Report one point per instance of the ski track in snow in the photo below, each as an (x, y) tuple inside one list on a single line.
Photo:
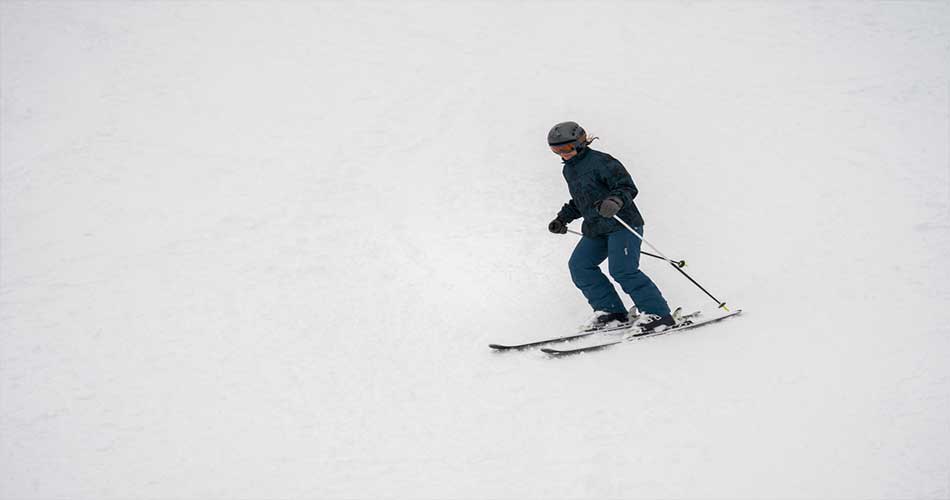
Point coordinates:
[(258, 250)]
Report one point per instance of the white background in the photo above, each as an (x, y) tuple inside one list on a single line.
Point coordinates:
[(257, 250)]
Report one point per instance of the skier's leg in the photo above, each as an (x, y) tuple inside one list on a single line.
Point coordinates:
[(623, 251), (586, 274)]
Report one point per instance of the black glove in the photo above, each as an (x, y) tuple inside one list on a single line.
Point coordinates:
[(557, 226), (609, 206)]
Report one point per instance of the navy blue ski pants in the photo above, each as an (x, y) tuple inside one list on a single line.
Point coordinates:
[(622, 250)]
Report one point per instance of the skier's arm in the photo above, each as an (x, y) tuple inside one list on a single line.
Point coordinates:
[(619, 182), (569, 212)]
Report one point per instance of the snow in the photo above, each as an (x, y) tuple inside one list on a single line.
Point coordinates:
[(258, 250)]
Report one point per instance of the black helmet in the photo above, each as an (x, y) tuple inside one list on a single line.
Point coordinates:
[(567, 133)]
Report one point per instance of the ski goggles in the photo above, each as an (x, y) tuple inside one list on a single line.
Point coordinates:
[(563, 149)]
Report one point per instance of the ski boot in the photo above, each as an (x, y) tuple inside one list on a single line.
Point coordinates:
[(649, 323), (603, 319)]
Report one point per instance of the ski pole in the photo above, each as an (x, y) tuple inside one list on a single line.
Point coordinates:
[(722, 305), (677, 263)]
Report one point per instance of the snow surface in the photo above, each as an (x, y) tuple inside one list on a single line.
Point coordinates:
[(257, 250)]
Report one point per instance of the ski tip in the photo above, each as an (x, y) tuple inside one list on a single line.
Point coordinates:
[(579, 350), (499, 347)]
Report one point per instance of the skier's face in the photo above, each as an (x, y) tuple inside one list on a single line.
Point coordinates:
[(565, 151), (567, 156)]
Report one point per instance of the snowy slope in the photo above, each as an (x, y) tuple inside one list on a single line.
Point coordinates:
[(257, 250)]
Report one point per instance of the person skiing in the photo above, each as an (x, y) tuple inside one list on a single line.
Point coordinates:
[(601, 188)]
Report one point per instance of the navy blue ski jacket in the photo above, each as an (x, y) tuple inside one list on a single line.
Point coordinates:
[(592, 176)]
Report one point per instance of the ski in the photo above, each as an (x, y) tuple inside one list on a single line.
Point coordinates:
[(686, 325), (578, 335), (583, 333)]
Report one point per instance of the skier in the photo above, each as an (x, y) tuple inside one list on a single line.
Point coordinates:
[(600, 188)]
